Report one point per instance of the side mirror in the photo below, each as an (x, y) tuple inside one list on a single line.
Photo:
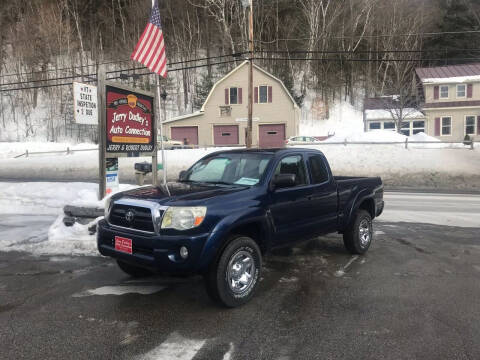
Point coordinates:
[(183, 175), (284, 180)]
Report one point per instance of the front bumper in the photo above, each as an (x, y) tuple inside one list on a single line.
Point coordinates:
[(159, 253)]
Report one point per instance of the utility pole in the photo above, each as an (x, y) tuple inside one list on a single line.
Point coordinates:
[(250, 80), (102, 115)]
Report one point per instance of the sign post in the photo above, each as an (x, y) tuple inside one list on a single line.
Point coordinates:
[(164, 167), (102, 171)]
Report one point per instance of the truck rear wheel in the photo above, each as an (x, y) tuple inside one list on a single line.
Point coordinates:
[(133, 270), (358, 236), (232, 278)]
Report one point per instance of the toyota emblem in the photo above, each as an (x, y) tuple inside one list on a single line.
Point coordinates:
[(129, 215)]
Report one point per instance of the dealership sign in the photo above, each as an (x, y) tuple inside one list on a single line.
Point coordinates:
[(85, 104), (129, 122)]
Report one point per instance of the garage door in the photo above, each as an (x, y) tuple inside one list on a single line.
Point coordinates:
[(225, 135), (271, 135), (185, 134)]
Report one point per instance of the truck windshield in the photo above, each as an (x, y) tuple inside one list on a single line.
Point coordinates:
[(231, 169)]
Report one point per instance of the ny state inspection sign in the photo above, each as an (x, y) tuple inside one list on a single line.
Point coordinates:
[(130, 122), (85, 104)]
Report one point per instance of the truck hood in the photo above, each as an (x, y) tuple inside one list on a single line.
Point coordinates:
[(176, 191)]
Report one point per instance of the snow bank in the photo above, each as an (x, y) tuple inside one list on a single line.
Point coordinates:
[(427, 166), (42, 200), (424, 168), (381, 136), (344, 119), (84, 165)]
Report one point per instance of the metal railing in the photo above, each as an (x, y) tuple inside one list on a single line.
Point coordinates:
[(67, 152), (469, 143)]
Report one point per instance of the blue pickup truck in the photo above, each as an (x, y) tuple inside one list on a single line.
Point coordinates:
[(229, 209)]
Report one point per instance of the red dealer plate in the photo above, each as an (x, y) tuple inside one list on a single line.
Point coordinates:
[(123, 244)]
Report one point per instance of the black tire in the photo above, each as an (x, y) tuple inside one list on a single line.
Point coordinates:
[(217, 277), (352, 237), (133, 270)]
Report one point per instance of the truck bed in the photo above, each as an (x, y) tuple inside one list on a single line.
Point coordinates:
[(352, 188)]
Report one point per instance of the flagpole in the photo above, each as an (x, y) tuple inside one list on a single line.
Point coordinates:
[(160, 123)]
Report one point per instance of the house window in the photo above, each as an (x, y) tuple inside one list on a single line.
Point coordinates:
[(446, 128), (389, 125), (374, 125), (234, 95), (418, 126), (263, 94), (461, 89), (469, 125), (405, 128), (444, 92)]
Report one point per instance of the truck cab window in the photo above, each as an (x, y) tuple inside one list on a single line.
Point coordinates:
[(293, 165), (318, 169)]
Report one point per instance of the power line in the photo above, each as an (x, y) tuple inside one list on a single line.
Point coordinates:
[(113, 71), (113, 78), (366, 60)]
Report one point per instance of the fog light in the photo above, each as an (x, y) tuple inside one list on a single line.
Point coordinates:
[(183, 252)]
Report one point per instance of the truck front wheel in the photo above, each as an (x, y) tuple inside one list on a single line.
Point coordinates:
[(358, 236), (232, 278)]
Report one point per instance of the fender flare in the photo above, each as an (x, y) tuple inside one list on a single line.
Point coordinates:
[(361, 196), (219, 235)]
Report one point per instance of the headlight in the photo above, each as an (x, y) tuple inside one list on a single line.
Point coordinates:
[(108, 203), (183, 218)]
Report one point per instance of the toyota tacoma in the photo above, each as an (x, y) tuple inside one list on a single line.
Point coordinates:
[(229, 209)]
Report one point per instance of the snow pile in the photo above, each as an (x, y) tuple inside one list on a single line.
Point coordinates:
[(38, 203), (43, 198), (382, 136), (344, 119), (370, 136)]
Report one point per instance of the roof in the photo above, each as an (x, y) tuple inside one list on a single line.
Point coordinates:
[(385, 102), (449, 73), (380, 103), (196, 113), (383, 114), (237, 69)]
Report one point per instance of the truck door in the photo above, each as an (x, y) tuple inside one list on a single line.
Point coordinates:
[(291, 206), (324, 199)]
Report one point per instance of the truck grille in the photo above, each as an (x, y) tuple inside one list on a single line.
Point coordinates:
[(141, 219)]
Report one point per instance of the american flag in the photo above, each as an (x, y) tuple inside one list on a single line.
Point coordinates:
[(150, 49)]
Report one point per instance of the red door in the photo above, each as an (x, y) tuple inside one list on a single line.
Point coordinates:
[(188, 135), (225, 135), (271, 135)]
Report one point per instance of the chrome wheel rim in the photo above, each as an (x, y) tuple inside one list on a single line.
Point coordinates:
[(240, 271), (365, 232)]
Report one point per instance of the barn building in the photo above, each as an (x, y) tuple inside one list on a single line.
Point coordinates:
[(222, 120)]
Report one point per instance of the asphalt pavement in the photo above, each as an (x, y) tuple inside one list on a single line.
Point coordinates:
[(414, 295)]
